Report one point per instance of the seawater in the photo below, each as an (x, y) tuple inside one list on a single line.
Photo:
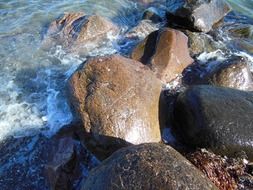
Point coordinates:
[(32, 97)]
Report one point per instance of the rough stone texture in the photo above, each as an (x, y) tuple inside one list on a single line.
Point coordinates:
[(147, 166), (77, 31), (236, 75), (223, 172), (142, 30), (198, 15), (118, 101), (165, 52), (216, 118)]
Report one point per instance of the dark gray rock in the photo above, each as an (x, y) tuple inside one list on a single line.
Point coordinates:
[(147, 166), (216, 118), (152, 14), (198, 15)]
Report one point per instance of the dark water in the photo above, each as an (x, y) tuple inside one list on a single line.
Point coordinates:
[(32, 99)]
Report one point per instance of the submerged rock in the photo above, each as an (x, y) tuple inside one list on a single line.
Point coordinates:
[(198, 15), (79, 32), (118, 101), (216, 118), (147, 166), (165, 52)]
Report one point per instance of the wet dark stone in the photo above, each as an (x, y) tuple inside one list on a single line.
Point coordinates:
[(216, 118), (199, 15), (147, 166), (152, 14)]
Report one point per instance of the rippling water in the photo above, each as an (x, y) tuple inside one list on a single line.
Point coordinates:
[(32, 81)]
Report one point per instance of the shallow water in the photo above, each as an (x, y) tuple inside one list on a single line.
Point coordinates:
[(32, 80), (32, 87)]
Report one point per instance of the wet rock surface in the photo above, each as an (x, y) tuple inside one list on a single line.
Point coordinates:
[(142, 30), (201, 42), (215, 118), (193, 14), (38, 162), (165, 52), (80, 33), (67, 166), (146, 166), (232, 73), (118, 101), (236, 75)]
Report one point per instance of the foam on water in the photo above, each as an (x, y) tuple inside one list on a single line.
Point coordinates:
[(32, 88)]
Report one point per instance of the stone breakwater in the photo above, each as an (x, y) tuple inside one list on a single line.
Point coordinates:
[(154, 115)]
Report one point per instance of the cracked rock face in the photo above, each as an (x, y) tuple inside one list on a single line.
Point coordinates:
[(147, 166), (118, 101)]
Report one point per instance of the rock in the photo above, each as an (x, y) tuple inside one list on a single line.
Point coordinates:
[(165, 52), (198, 15), (216, 118), (142, 30), (68, 161), (201, 42), (152, 14), (80, 32), (118, 101), (146, 166), (63, 167), (235, 75)]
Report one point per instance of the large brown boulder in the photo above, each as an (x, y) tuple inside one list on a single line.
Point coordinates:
[(118, 101), (147, 166), (165, 52), (80, 32)]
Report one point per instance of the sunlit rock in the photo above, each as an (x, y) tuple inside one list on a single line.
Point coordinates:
[(118, 101)]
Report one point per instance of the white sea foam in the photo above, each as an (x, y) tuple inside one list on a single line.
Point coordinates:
[(248, 57)]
